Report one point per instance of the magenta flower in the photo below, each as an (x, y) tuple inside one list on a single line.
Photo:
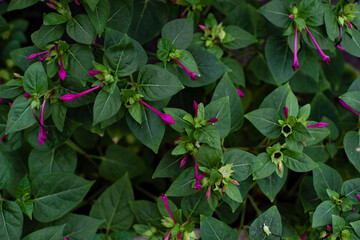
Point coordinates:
[(166, 118), (191, 74), (62, 73), (66, 238), (167, 237), (240, 93), (43, 132), (196, 107), (304, 235), (212, 120), (324, 57), (202, 27), (352, 209), (198, 177), (72, 96), (27, 95), (77, 2), (295, 65), (35, 55), (291, 16), (52, 6), (344, 105), (328, 227), (208, 193), (341, 33), (341, 48), (349, 25), (3, 138), (175, 140), (318, 125), (166, 203), (358, 197), (286, 112), (94, 72), (183, 161)]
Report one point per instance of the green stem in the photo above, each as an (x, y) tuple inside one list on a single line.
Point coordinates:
[(258, 211), (147, 193), (82, 152)]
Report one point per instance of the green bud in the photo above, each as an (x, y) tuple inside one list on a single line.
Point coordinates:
[(167, 222), (286, 130), (147, 234), (341, 21), (222, 35), (189, 236), (323, 234), (189, 147), (226, 170), (277, 157), (203, 122)]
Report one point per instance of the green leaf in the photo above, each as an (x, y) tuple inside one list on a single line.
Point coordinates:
[(356, 226), (6, 171), (267, 167), (58, 160), (58, 115), (213, 229), (326, 177), (120, 14), (318, 134), (323, 213), (182, 186), (169, 166), (113, 205), (352, 99), (56, 194), (54, 19), (319, 33), (272, 184), (99, 15), (220, 109), (308, 196), (11, 221), (179, 31), (241, 161), (301, 133), (151, 130), (80, 62), (234, 193), (165, 47), (338, 224), (280, 97), (279, 59), (195, 205), (122, 58), (272, 219), (81, 29), (208, 157), (242, 38), (266, 121), (226, 88), (177, 114), (298, 161), (106, 105), (20, 4), (19, 56), (146, 212), (351, 189), (352, 43), (79, 227), (47, 34), (147, 20), (155, 83), (49, 233), (331, 24), (20, 115), (92, 3), (208, 134), (210, 68), (35, 79), (119, 160), (277, 12), (236, 73)]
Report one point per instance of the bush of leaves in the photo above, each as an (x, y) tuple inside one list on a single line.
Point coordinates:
[(180, 119)]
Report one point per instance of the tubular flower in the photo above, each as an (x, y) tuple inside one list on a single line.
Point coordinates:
[(240, 93), (286, 112), (318, 125), (72, 96), (167, 237), (94, 72), (183, 161), (295, 65), (324, 57), (43, 132), (341, 48), (202, 27), (198, 177), (191, 74), (212, 120), (208, 193), (77, 2), (304, 235), (27, 95), (166, 118), (166, 203), (62, 73), (344, 105), (196, 107), (358, 197), (47, 53), (3, 138)]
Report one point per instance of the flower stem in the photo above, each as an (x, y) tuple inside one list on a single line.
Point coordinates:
[(253, 203)]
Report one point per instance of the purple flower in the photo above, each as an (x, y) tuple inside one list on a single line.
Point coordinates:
[(286, 112), (167, 237), (3, 138), (35, 55), (318, 125), (328, 227), (62, 73), (43, 132), (358, 197), (175, 140), (202, 27), (324, 57), (191, 74), (349, 25), (208, 193), (195, 106), (291, 16), (341, 48), (166, 203), (52, 6), (27, 95), (94, 72), (212, 120), (166, 118), (240, 93), (295, 65), (304, 235), (344, 105), (352, 209), (72, 96), (198, 177), (77, 2), (66, 238), (183, 161)]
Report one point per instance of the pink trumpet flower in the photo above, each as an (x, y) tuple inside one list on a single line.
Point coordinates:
[(166, 118), (94, 72), (240, 93), (72, 96), (344, 105), (295, 65), (286, 112), (318, 125), (62, 73), (324, 57), (191, 74)]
